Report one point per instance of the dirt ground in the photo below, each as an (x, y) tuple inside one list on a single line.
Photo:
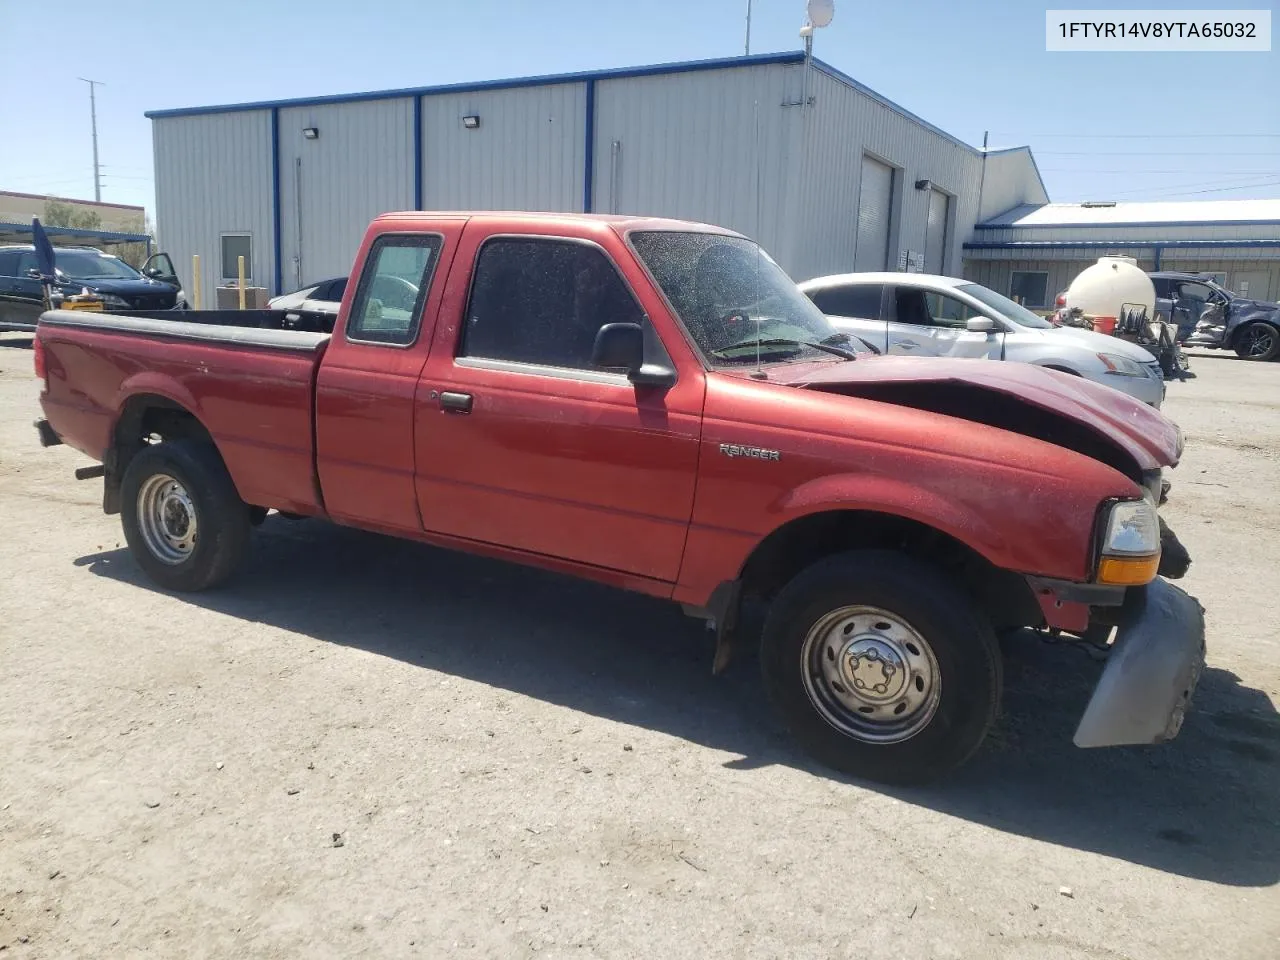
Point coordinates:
[(365, 747)]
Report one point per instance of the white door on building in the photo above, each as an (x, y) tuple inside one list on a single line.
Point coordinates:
[(935, 237), (875, 211)]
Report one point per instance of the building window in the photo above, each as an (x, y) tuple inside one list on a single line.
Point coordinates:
[(1029, 288), (234, 246)]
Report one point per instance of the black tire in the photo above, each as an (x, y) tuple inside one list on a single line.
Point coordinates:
[(1258, 341), (222, 518), (963, 644)]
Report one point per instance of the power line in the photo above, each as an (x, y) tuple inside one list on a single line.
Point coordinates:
[(1242, 186), (1156, 153), (1207, 173)]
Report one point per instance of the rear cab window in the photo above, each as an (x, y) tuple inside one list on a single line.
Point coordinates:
[(393, 289)]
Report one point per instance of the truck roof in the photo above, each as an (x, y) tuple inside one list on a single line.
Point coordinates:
[(615, 220)]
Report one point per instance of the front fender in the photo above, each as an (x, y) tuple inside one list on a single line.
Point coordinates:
[(960, 517)]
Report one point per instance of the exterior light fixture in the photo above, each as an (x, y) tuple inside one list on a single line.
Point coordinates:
[(471, 121), (923, 184), (311, 133)]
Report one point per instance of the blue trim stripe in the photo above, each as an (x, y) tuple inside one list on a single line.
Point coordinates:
[(589, 151), (275, 200), (417, 153), (1092, 244), (691, 66)]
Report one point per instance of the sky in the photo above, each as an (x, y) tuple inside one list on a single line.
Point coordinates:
[(1102, 126)]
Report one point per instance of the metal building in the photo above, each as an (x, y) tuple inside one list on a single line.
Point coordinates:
[(1033, 252), (827, 174)]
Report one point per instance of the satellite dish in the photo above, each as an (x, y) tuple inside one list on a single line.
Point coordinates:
[(820, 12)]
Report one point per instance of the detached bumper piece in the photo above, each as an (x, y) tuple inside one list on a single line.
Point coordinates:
[(47, 436), (1151, 673)]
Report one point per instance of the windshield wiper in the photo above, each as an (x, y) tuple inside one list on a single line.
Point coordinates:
[(824, 346)]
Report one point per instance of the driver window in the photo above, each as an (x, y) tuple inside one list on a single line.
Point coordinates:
[(947, 311), (393, 286), (542, 301)]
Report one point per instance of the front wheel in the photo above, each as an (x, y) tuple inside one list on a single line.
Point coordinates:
[(1258, 341), (185, 523), (881, 667)]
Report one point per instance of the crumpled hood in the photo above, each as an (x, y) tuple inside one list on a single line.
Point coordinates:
[(1144, 433), (1243, 304)]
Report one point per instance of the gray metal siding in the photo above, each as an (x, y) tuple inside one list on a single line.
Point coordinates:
[(842, 124), (360, 166), (527, 154), (711, 146), (213, 176)]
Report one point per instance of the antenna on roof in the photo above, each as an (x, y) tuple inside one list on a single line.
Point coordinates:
[(817, 14)]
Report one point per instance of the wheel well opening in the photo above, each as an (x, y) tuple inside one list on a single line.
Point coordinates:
[(146, 418), (1006, 597)]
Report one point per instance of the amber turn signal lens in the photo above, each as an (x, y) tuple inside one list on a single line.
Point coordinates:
[(1128, 571)]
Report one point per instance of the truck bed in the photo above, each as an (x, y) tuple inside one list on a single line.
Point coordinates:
[(250, 383)]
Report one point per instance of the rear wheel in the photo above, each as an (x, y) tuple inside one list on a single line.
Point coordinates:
[(185, 523), (1258, 341), (881, 667)]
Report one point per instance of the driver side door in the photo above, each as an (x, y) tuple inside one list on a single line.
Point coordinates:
[(926, 323)]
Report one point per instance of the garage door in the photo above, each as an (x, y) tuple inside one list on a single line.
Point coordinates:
[(935, 238), (875, 201)]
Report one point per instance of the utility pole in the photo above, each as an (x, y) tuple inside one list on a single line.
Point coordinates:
[(93, 118), (748, 50)]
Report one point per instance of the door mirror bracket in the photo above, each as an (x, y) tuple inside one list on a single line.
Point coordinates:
[(620, 346)]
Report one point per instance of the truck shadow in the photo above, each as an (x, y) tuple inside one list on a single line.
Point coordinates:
[(1203, 806)]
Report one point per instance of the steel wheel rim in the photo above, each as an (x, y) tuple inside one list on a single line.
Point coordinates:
[(167, 518), (1259, 343), (870, 674)]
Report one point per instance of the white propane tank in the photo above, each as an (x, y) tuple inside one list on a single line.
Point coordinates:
[(1107, 288)]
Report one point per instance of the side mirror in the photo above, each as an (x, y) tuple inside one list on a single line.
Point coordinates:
[(33, 273), (980, 325), (152, 272), (620, 346)]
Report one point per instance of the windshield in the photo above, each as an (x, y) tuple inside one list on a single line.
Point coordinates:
[(733, 299), (1007, 308), (86, 265)]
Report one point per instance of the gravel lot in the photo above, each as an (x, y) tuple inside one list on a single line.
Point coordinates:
[(365, 747)]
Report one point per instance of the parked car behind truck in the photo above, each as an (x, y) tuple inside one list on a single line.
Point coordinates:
[(652, 404), (916, 314), (1207, 314), (118, 285)]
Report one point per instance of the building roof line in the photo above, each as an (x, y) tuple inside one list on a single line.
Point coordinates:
[(50, 196), (837, 74), (1121, 242), (686, 66), (1069, 225)]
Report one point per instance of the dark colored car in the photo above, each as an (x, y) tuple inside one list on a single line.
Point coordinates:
[(1209, 315), (119, 285)]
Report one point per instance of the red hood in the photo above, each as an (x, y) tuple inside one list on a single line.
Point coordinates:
[(1148, 436)]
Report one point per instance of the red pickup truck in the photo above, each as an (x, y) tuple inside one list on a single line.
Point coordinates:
[(654, 405)]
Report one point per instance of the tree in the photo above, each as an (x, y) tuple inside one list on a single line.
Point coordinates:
[(60, 214)]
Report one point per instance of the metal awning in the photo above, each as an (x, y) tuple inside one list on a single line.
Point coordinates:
[(71, 236)]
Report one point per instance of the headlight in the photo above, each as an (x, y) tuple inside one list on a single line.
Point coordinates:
[(1122, 366), (1130, 552), (111, 300)]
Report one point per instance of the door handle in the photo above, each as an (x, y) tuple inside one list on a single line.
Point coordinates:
[(455, 402), (908, 344)]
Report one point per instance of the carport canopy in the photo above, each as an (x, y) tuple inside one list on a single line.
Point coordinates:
[(71, 236)]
